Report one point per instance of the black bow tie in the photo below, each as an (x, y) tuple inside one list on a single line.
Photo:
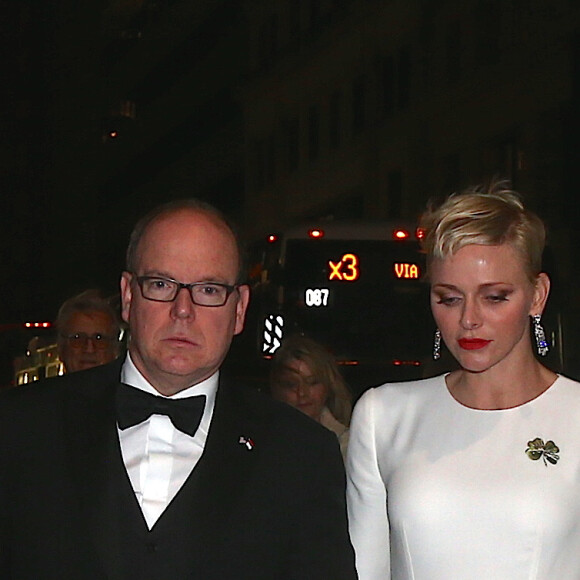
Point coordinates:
[(135, 406)]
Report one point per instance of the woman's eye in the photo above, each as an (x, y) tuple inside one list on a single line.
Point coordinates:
[(448, 300), (497, 297)]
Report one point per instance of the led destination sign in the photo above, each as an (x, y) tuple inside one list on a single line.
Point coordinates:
[(407, 270), (345, 269)]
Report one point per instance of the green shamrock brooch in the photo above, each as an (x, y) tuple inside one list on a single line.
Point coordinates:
[(547, 451)]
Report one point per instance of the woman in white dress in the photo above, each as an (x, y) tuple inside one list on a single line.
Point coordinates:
[(474, 474)]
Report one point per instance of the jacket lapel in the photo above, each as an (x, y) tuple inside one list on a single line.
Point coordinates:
[(230, 456)]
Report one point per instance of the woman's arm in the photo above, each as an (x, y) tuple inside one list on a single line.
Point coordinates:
[(366, 494)]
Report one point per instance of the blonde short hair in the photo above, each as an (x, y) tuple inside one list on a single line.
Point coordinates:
[(488, 216)]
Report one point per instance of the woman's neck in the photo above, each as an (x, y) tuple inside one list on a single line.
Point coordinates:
[(500, 387)]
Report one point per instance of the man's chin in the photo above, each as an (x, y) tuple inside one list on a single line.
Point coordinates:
[(185, 375)]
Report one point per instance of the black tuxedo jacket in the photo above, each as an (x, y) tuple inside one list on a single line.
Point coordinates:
[(272, 512)]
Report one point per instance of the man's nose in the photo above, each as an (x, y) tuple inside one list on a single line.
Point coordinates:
[(89, 344), (183, 306)]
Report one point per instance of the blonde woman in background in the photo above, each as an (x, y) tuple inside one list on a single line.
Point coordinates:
[(306, 376)]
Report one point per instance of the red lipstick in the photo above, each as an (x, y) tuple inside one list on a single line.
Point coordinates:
[(472, 343)]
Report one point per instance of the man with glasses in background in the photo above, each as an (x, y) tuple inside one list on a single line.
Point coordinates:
[(88, 331), (157, 466)]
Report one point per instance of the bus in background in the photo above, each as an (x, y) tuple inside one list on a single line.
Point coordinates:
[(357, 288)]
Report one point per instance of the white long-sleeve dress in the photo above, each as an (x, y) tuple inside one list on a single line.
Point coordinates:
[(440, 491)]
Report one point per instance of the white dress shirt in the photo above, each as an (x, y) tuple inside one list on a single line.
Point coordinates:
[(158, 457)]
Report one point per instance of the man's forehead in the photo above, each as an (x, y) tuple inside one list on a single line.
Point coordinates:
[(89, 317), (172, 232), (189, 223)]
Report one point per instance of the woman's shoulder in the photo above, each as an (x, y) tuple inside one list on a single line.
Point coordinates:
[(416, 389), (564, 388), (568, 382), (391, 396)]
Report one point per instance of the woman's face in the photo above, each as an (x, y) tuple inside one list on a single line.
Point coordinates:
[(481, 300), (296, 386)]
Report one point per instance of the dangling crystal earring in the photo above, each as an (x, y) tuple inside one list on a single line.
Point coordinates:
[(437, 345), (541, 342)]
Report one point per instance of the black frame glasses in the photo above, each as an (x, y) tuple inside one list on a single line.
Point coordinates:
[(209, 294)]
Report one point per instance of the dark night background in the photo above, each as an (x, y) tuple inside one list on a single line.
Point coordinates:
[(276, 111)]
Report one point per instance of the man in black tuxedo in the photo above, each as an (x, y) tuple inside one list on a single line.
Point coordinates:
[(155, 467)]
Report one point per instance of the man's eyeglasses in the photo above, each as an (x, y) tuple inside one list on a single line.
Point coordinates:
[(202, 293), (80, 340)]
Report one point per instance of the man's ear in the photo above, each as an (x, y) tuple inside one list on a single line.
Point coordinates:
[(241, 307), (126, 295)]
